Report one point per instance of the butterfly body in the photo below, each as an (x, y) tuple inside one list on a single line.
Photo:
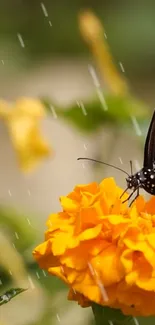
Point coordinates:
[(145, 178)]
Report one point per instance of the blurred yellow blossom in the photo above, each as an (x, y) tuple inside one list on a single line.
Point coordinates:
[(102, 249), (93, 33), (22, 119)]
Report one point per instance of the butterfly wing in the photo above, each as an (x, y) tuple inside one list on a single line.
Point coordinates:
[(149, 149)]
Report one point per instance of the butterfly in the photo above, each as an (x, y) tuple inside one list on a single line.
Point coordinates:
[(145, 177)]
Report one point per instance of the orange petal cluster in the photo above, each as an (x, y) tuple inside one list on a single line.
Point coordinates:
[(103, 249)]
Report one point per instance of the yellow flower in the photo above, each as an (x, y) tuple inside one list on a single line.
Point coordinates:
[(93, 33), (22, 119), (102, 249)]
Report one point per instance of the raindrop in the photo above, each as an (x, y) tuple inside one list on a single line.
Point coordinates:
[(2, 62), (81, 105), (5, 298), (102, 99), (83, 165), (62, 269), (85, 147), (9, 192), (21, 40), (10, 272), (53, 111), (31, 282), (136, 126), (98, 88), (44, 273), (120, 159), (0, 282), (29, 193), (16, 235), (99, 283), (44, 9), (50, 23), (110, 322), (121, 66), (37, 274), (136, 321), (13, 245), (105, 35), (58, 318), (94, 75), (28, 221)]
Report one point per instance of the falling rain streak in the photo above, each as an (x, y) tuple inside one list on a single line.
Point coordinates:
[(94, 75), (136, 126), (121, 66), (99, 283), (29, 193), (120, 159), (21, 40), (10, 194), (53, 111), (44, 9), (81, 105), (16, 235), (102, 100), (28, 221), (135, 321), (31, 282), (58, 318), (105, 35), (98, 87), (44, 273), (37, 274)]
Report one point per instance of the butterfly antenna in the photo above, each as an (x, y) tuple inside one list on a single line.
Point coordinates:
[(101, 162), (131, 167)]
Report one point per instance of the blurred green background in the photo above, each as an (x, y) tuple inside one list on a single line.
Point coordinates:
[(129, 26), (43, 54)]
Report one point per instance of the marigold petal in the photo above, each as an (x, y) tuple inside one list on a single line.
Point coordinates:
[(102, 249), (149, 206), (61, 243), (90, 233), (108, 266), (68, 204), (127, 260), (58, 271), (44, 256)]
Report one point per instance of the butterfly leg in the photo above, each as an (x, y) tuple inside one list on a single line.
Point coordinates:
[(136, 189), (123, 192), (135, 197)]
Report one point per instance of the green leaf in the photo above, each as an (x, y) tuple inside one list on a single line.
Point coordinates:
[(91, 115), (105, 315), (8, 295), (14, 221), (51, 283)]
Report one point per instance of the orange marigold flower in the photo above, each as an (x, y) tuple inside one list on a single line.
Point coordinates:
[(102, 249)]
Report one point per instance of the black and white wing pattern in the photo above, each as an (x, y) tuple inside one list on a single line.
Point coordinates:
[(149, 149)]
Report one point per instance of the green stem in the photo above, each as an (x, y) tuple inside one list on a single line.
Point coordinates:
[(109, 316)]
